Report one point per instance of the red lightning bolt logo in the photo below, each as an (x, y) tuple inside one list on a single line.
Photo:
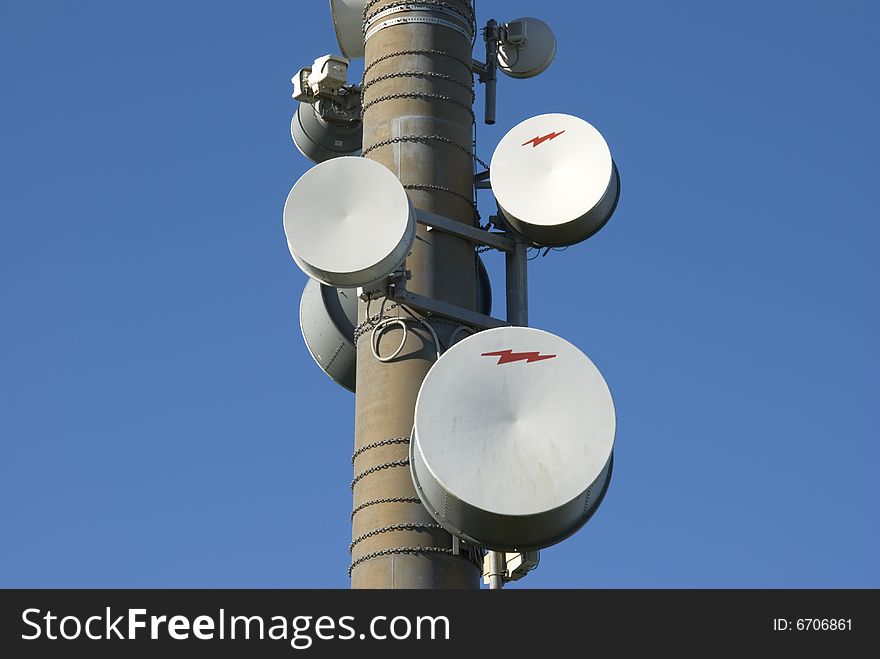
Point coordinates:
[(508, 356), (538, 141)]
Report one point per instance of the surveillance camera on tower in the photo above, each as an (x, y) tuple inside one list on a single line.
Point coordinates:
[(327, 123)]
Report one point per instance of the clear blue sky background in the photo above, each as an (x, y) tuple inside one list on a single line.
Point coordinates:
[(162, 424)]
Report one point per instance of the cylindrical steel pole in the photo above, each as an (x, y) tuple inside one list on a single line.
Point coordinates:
[(518, 285), (517, 281), (418, 122), (497, 568), (491, 72)]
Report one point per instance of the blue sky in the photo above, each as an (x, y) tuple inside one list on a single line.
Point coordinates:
[(162, 424)]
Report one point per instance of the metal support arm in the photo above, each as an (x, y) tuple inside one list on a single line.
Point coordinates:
[(473, 234), (434, 307)]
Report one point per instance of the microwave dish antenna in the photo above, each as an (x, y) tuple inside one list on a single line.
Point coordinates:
[(554, 180), (525, 459), (349, 222), (348, 22), (527, 47)]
